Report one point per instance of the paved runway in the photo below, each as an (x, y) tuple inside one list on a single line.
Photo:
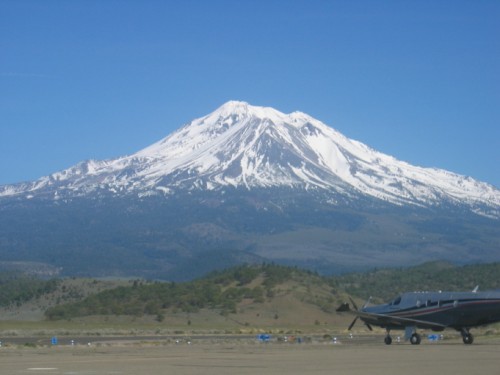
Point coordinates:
[(252, 357)]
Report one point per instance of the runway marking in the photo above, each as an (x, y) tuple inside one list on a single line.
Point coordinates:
[(42, 368)]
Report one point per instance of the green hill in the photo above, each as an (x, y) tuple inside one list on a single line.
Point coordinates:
[(250, 295), (230, 292), (17, 288)]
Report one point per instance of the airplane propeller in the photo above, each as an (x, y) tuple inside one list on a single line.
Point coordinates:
[(356, 318), (352, 324)]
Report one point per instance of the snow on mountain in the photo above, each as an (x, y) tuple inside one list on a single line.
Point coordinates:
[(248, 147)]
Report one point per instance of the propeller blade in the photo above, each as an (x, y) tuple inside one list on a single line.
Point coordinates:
[(353, 304), (356, 318), (352, 324), (367, 303)]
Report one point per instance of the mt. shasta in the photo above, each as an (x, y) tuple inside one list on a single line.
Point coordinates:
[(240, 165)]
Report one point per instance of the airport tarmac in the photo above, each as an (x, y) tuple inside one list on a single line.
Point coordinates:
[(253, 357)]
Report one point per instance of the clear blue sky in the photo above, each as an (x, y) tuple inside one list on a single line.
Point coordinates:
[(89, 79)]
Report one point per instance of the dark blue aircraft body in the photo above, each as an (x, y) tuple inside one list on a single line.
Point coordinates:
[(431, 310)]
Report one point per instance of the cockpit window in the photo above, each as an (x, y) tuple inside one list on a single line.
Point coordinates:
[(396, 302)]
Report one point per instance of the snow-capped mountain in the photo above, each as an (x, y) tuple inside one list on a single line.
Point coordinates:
[(244, 146), (246, 184)]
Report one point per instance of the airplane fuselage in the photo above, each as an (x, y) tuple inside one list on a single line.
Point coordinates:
[(439, 310)]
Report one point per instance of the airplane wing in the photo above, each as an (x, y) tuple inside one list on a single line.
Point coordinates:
[(385, 320)]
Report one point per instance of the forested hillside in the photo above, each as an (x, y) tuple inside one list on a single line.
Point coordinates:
[(221, 290), (16, 288), (255, 290)]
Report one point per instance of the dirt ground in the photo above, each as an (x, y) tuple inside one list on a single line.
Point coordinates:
[(249, 357)]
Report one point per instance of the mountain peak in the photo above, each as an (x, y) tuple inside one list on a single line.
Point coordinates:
[(233, 106), (238, 110)]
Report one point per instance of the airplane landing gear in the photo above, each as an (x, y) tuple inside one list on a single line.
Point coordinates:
[(415, 339), (388, 338), (467, 337)]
